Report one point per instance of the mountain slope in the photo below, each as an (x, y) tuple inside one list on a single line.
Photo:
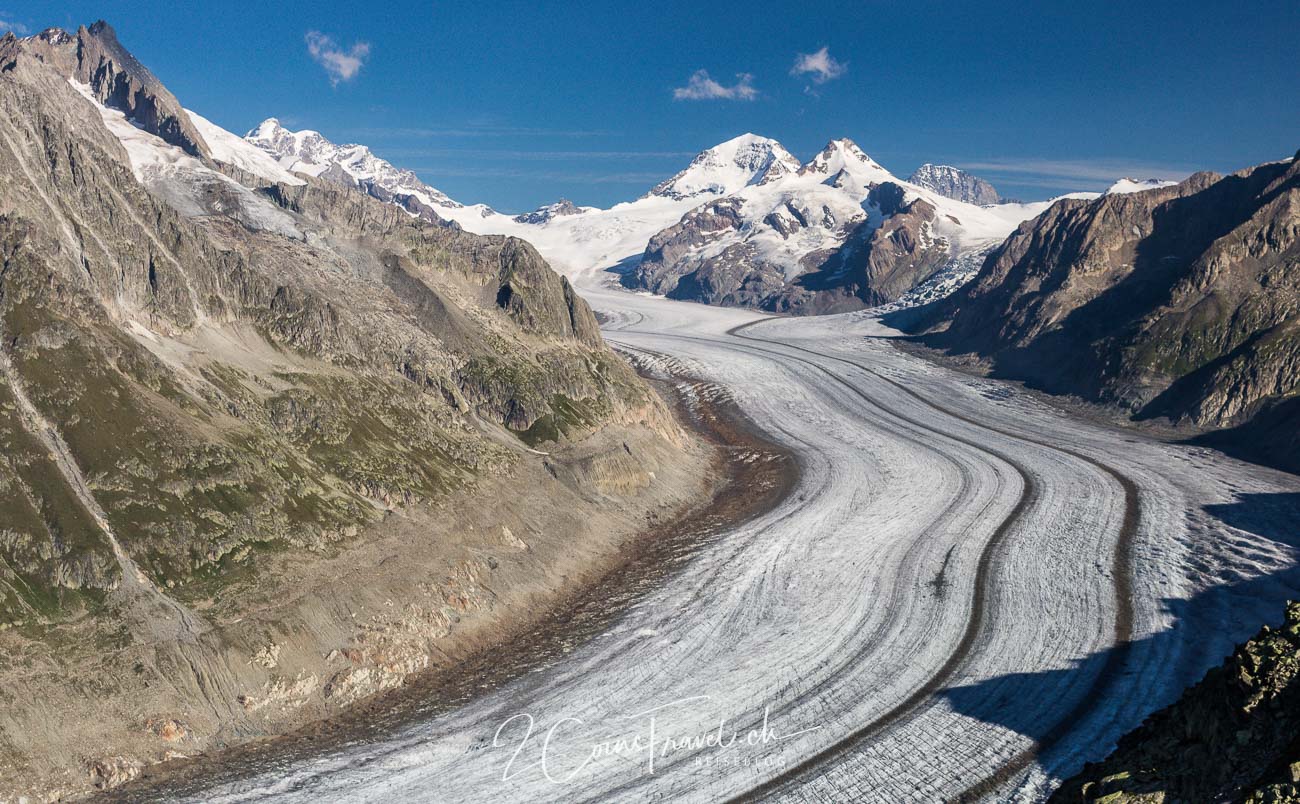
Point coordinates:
[(1179, 301), (216, 376)]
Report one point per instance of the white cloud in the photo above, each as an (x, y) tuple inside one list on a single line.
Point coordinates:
[(340, 64), (7, 23), (702, 87), (1090, 174), (820, 66)]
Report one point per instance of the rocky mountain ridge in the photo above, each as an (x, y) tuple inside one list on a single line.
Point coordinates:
[(954, 183), (1179, 301), (309, 153)]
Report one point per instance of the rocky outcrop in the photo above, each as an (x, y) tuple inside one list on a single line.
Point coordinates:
[(1180, 302), (878, 264), (549, 212), (869, 259), (94, 57), (1234, 736), (954, 183)]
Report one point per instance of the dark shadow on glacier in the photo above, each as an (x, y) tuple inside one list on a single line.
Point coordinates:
[(1231, 611)]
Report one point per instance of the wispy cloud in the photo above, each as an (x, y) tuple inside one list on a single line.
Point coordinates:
[(702, 87), (535, 156), (7, 23), (339, 64), (471, 130), (582, 177), (1086, 174), (820, 67)]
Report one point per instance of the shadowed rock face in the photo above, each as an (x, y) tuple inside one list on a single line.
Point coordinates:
[(94, 57), (880, 258), (879, 264), (1181, 302), (1235, 736), (955, 184)]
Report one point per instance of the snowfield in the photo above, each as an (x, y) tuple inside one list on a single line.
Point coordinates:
[(969, 592)]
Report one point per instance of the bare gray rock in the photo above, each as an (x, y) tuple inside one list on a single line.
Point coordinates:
[(1180, 302), (94, 57), (954, 183), (549, 212)]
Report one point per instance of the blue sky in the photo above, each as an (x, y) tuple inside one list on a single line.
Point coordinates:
[(517, 104)]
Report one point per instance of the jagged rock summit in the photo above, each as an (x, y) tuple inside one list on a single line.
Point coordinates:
[(94, 57), (549, 212), (310, 153), (954, 183)]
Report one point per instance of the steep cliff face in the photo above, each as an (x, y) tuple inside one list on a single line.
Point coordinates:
[(1179, 301), (93, 56), (1235, 736), (954, 183)]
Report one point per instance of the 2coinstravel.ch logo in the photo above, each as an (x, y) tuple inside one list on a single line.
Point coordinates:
[(565, 748)]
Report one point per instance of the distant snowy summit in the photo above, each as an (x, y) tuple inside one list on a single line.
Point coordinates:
[(1127, 185), (549, 212), (954, 183), (839, 232), (728, 166), (355, 165)]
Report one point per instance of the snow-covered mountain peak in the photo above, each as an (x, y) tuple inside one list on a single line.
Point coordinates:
[(309, 152), (730, 166), (1127, 185), (268, 129), (844, 155)]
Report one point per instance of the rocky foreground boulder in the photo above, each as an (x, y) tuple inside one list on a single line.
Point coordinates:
[(1234, 736)]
